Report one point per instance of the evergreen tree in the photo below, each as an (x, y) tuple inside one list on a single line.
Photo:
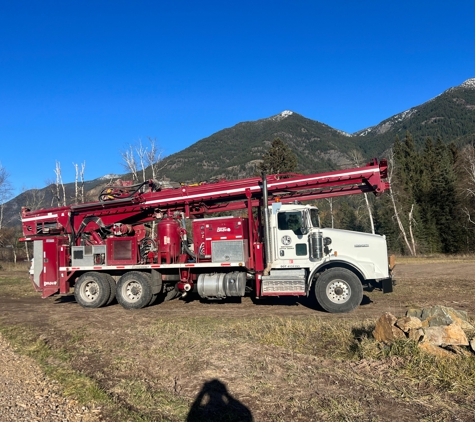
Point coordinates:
[(384, 223), (429, 237), (347, 218), (407, 175), (426, 186), (444, 199), (278, 159), (408, 168), (465, 191)]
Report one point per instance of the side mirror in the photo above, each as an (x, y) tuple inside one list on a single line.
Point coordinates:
[(305, 229)]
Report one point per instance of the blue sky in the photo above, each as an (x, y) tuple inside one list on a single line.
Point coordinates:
[(83, 80)]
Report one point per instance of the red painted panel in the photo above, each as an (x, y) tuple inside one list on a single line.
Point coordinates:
[(121, 251), (221, 228)]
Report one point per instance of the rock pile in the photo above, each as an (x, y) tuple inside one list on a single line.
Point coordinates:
[(438, 330)]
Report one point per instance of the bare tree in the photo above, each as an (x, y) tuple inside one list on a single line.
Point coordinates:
[(409, 241), (138, 158), (357, 159), (79, 195), (154, 157), (8, 238), (141, 152), (34, 199), (130, 163), (332, 216), (5, 190), (468, 176), (8, 243), (60, 190)]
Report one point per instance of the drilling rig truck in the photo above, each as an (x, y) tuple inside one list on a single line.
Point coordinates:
[(142, 242)]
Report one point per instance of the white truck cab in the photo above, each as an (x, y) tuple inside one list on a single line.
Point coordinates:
[(334, 263)]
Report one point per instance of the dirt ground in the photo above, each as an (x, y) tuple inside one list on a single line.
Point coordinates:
[(418, 284)]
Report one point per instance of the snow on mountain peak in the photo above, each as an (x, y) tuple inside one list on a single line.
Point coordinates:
[(469, 83), (281, 116), (109, 176)]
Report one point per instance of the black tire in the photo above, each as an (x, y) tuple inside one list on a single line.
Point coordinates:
[(92, 290), (134, 290), (338, 290), (170, 294), (157, 285), (153, 299), (113, 286)]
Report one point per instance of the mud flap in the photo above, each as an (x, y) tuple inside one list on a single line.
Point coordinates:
[(48, 291), (387, 285), (156, 281)]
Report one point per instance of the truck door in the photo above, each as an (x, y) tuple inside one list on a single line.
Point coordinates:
[(45, 266), (38, 265), (291, 243)]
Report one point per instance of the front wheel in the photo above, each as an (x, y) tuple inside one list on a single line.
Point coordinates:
[(338, 290)]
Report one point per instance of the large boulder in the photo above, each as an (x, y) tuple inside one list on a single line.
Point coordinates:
[(472, 344), (412, 327), (414, 312), (448, 335), (385, 329), (439, 330), (441, 315), (416, 335), (435, 350), (408, 323)]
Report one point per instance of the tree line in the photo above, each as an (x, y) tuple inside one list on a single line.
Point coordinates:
[(430, 207)]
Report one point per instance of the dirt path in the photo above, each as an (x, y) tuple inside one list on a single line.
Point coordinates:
[(28, 395)]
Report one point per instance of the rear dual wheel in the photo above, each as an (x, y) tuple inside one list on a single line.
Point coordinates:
[(170, 293), (134, 290), (113, 287), (93, 290)]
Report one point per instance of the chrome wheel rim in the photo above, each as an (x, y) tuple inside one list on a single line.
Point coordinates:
[(133, 291), (338, 291), (90, 291)]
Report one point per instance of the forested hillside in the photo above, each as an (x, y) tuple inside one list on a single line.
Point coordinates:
[(236, 151), (431, 205), (449, 116)]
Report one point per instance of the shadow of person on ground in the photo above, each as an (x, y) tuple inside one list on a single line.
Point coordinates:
[(214, 403)]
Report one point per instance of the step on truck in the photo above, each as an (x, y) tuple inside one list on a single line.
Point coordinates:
[(143, 242)]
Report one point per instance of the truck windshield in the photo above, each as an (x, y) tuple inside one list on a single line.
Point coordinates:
[(314, 217)]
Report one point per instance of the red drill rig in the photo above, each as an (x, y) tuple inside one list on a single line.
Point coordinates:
[(139, 242)]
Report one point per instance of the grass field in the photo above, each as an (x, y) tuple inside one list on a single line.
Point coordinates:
[(168, 362)]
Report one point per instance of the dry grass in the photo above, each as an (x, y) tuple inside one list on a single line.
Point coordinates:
[(21, 266), (286, 367), (434, 258), (15, 284), (143, 368)]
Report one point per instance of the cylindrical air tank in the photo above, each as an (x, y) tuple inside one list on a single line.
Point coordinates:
[(169, 240)]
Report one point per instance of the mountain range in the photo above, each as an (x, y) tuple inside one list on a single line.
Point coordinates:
[(235, 152)]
